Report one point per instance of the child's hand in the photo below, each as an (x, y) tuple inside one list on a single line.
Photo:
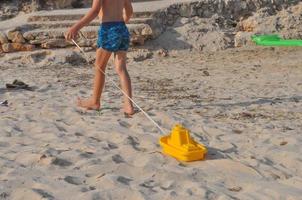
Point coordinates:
[(71, 33)]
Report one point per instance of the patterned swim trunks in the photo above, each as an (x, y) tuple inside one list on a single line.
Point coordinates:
[(113, 36)]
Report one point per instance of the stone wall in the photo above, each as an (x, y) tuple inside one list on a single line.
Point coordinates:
[(231, 22), (231, 11)]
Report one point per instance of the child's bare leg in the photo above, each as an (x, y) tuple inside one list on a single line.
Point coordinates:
[(93, 103), (121, 69)]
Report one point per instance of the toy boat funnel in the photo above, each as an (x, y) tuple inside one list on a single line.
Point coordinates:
[(181, 146)]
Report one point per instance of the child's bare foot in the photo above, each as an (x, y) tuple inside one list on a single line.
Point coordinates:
[(89, 104), (129, 111)]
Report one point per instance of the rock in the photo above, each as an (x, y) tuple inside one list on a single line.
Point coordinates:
[(213, 41), (15, 36), (184, 20), (36, 57), (147, 31), (163, 52), (44, 35), (8, 47), (8, 10), (94, 45), (75, 58), (287, 22), (140, 55), (36, 42), (243, 38), (55, 43), (140, 30), (11, 47), (186, 10), (27, 47), (3, 38), (171, 19), (247, 25), (137, 40), (29, 35)]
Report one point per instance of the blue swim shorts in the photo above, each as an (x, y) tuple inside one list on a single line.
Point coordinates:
[(113, 36)]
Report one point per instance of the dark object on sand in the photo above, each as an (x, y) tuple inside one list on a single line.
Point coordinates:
[(18, 85), (4, 103)]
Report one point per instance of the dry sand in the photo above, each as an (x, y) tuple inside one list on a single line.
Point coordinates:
[(244, 104)]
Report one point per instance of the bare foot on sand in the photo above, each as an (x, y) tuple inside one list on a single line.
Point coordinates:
[(89, 104), (129, 111)]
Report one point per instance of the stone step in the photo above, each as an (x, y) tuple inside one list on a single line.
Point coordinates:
[(62, 17), (139, 33), (142, 8), (69, 23)]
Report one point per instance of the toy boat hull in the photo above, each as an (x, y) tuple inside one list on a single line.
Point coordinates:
[(181, 155)]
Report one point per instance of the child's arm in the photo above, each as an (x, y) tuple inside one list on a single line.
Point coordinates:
[(92, 13), (128, 11)]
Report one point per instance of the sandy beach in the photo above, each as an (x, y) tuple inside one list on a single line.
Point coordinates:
[(191, 62), (244, 104)]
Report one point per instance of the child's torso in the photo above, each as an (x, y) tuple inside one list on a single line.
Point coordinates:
[(112, 10)]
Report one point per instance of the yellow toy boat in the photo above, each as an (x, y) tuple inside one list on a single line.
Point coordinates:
[(181, 146)]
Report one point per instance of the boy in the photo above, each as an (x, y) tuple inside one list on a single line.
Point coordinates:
[(113, 36)]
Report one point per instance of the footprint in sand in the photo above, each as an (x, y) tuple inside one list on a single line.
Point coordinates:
[(86, 154), (124, 124), (95, 162), (61, 162), (4, 144), (82, 92), (167, 185), (90, 188), (74, 180), (44, 194), (78, 134), (4, 195), (60, 128), (117, 159), (33, 193), (124, 180), (134, 142), (109, 146), (149, 184)]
